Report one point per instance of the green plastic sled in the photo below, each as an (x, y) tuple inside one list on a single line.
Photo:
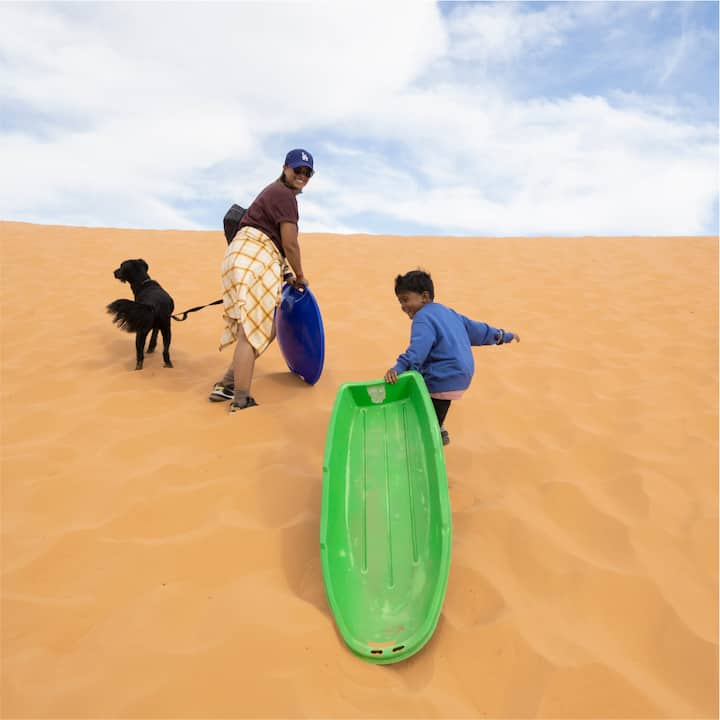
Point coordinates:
[(385, 526)]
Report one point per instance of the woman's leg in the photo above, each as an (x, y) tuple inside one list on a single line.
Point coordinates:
[(243, 366), (228, 379)]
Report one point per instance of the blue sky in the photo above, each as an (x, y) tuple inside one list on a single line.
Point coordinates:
[(462, 118)]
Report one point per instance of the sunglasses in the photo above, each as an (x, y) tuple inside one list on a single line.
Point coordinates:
[(306, 171)]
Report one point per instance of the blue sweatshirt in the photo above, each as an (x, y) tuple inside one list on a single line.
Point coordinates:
[(440, 341)]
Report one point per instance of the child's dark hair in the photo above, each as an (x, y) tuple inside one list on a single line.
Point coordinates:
[(415, 281)]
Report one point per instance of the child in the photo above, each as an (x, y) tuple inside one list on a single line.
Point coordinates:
[(440, 341)]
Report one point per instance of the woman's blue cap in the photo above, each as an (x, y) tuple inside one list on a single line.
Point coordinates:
[(299, 158)]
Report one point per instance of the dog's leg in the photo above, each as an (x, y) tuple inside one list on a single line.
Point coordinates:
[(166, 336), (139, 347), (153, 341)]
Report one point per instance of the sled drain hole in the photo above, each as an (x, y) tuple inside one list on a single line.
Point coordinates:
[(395, 649)]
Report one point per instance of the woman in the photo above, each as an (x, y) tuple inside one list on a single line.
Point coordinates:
[(253, 268)]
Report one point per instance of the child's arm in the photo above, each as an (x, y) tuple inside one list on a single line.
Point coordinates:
[(422, 337), (481, 333)]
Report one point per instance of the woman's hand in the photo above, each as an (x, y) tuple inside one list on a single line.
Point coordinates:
[(391, 376), (299, 282)]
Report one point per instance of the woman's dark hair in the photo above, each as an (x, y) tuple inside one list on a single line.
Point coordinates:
[(415, 281)]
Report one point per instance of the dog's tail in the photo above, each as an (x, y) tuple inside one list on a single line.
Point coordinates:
[(131, 316)]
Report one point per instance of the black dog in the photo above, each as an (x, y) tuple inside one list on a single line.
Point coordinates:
[(151, 309)]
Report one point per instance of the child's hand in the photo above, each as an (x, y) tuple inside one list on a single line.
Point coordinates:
[(391, 376)]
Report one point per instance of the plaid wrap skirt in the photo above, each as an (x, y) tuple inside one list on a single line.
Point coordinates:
[(252, 282)]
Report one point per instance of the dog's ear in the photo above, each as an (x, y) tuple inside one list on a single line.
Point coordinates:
[(145, 265)]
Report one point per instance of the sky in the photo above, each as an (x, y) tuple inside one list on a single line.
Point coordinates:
[(452, 118)]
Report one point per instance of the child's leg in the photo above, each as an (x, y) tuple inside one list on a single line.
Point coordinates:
[(441, 410)]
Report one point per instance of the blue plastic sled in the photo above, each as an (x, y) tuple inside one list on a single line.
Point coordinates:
[(300, 333)]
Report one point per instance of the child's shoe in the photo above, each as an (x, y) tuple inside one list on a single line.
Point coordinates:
[(445, 435)]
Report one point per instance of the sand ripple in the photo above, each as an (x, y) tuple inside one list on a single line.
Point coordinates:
[(160, 558)]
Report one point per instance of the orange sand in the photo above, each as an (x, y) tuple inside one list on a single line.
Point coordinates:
[(160, 558)]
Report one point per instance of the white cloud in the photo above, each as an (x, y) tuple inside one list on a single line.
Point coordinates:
[(578, 166), (129, 114), (279, 63), (497, 33), (142, 96)]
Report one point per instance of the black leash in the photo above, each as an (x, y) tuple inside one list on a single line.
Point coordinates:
[(183, 315)]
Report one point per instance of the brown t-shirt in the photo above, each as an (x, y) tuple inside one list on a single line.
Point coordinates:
[(275, 204)]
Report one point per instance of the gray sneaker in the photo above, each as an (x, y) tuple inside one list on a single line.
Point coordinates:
[(221, 393), (247, 403)]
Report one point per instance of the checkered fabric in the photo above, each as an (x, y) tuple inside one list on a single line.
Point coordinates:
[(252, 281)]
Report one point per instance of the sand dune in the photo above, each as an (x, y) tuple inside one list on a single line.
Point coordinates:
[(160, 557)]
